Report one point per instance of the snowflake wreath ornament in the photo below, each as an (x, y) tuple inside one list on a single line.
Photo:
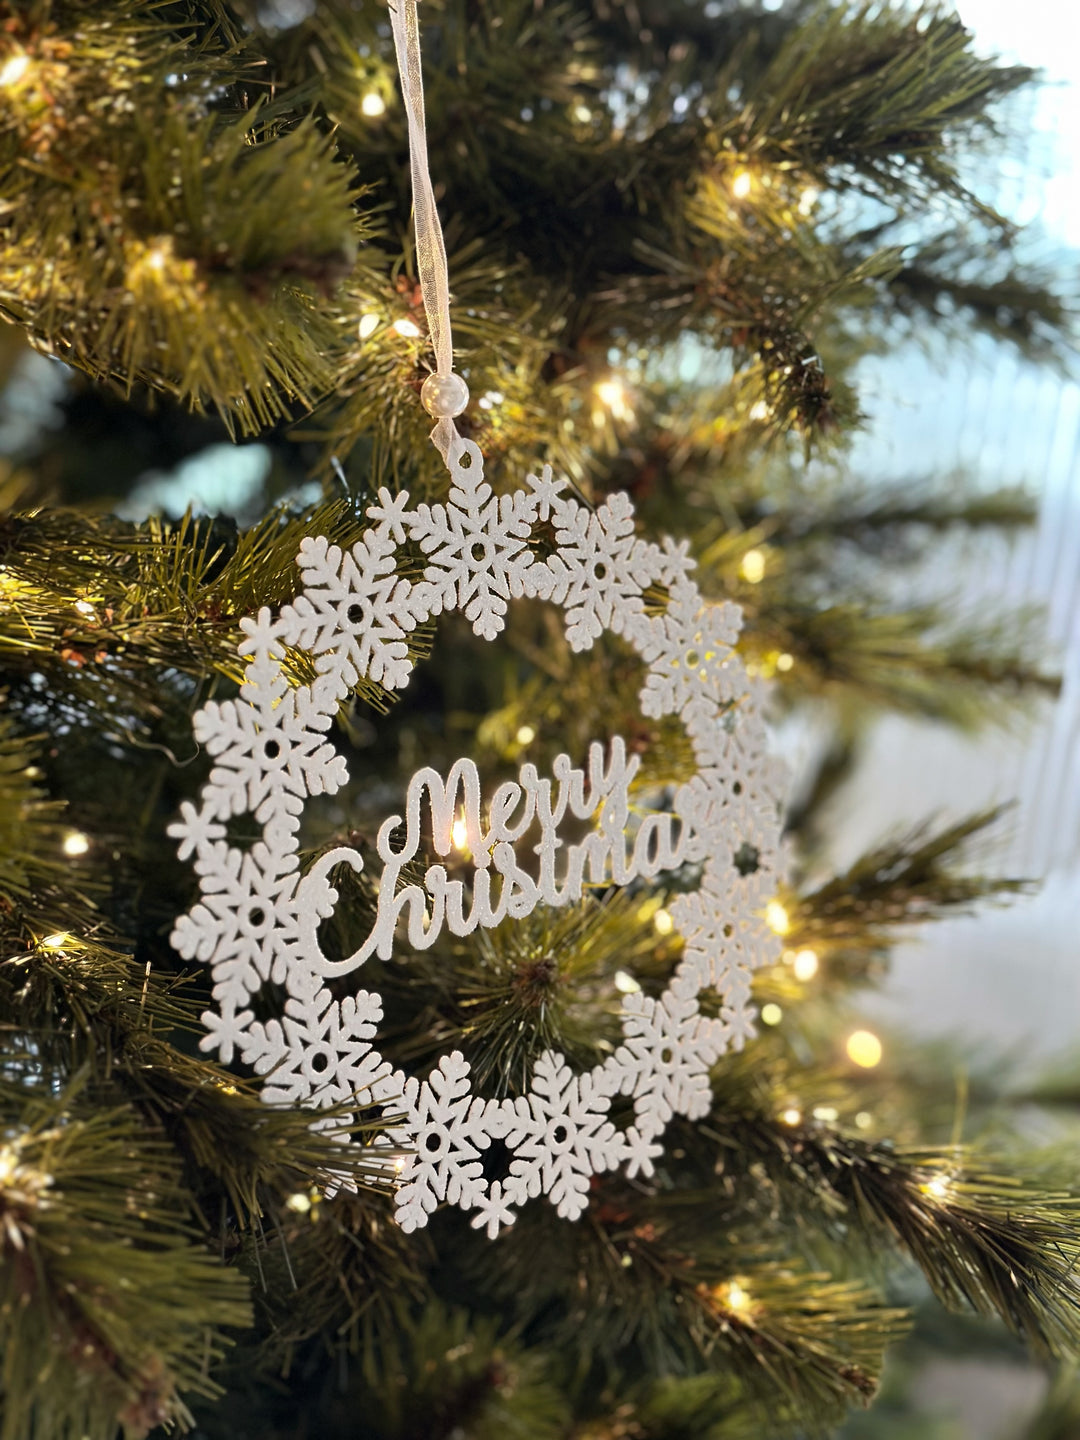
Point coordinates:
[(257, 918)]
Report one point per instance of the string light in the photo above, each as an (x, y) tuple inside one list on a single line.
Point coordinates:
[(56, 941), (828, 1113), (776, 917), (938, 1188), (771, 1014), (805, 964), (863, 1120), (807, 200), (373, 105), (75, 843), (408, 328), (791, 1116), (733, 1297), (525, 735), (742, 184), (759, 410), (399, 1163), (459, 833), (368, 325), (84, 607), (613, 394), (752, 568), (582, 114), (626, 983), (864, 1049), (491, 399), (663, 923), (14, 68), (785, 661), (298, 1203)]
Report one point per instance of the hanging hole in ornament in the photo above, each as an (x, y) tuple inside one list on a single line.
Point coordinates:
[(255, 917), (479, 552), (559, 1135), (667, 1055), (693, 659), (319, 1061), (354, 615), (600, 570), (271, 748), (747, 859), (736, 788)]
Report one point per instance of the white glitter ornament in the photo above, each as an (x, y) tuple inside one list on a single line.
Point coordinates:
[(257, 918)]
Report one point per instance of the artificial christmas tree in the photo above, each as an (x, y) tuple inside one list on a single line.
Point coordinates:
[(671, 232)]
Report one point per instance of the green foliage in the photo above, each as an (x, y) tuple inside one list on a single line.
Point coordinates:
[(718, 215)]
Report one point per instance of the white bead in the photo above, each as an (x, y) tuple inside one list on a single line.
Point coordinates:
[(444, 396)]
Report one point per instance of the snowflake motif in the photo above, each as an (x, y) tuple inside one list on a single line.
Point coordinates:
[(560, 1136), (492, 1210), (445, 1123), (256, 920), (225, 1027), (197, 830), (278, 755), (320, 1052), (665, 1061), (477, 548), (688, 650), (247, 925), (726, 936), (355, 609), (599, 569)]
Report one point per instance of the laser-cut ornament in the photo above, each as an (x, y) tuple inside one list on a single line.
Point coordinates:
[(257, 919)]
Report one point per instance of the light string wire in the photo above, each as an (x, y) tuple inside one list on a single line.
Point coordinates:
[(430, 246)]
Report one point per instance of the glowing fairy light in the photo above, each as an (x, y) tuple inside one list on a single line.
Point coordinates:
[(75, 843), (864, 1049), (459, 833), (84, 607), (733, 1297), (626, 983), (14, 68), (776, 917), (752, 568), (492, 398), (373, 105), (56, 941), (827, 1113), (759, 410), (807, 200), (805, 964), (742, 184), (791, 1116), (406, 328), (299, 1203), (663, 923), (771, 1014), (368, 325), (525, 735), (582, 114), (399, 1163), (615, 398), (785, 661), (156, 258), (938, 1188), (864, 1120)]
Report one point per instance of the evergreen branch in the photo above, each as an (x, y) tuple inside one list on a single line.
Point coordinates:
[(983, 1239), (855, 918), (110, 1308)]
